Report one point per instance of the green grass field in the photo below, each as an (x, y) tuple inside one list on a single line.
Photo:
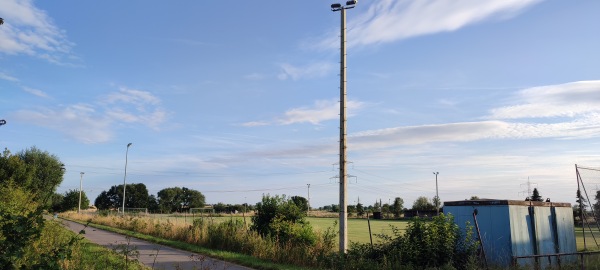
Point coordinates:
[(358, 229)]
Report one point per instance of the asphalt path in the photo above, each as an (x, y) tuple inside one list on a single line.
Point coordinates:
[(153, 255)]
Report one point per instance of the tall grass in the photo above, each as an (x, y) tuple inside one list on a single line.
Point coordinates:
[(230, 235)]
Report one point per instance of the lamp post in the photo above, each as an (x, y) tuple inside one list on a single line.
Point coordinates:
[(342, 174), (125, 177), (437, 196), (80, 180)]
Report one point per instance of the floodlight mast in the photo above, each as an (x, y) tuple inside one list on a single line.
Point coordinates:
[(342, 174)]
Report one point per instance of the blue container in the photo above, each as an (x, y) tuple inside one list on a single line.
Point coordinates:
[(519, 228)]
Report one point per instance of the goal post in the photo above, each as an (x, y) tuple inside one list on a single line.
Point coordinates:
[(201, 211)]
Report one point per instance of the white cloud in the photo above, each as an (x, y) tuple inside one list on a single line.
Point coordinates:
[(562, 100), (29, 30), (95, 123), (35, 92), (79, 121), (392, 20), (255, 124), (322, 110), (309, 71), (7, 77)]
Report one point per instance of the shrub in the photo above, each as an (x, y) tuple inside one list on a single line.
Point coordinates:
[(281, 218), (437, 244)]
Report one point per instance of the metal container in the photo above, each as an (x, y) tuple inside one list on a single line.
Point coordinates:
[(511, 228)]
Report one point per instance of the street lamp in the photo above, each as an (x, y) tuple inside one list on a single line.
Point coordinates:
[(125, 177), (80, 180), (437, 196), (342, 174)]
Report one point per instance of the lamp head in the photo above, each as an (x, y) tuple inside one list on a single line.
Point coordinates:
[(129, 144), (336, 7)]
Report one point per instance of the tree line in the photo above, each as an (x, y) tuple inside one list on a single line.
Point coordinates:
[(168, 200)]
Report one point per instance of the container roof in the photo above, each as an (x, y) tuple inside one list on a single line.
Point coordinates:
[(504, 202)]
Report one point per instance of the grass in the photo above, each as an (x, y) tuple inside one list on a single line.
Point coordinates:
[(358, 228)]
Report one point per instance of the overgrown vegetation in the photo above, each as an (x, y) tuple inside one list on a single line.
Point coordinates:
[(438, 244), (28, 241), (425, 244)]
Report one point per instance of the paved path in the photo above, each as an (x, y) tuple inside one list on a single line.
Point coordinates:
[(168, 258)]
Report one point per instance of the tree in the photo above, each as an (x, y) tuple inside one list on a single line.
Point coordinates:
[(423, 204), (581, 203), (34, 170), (136, 196), (360, 210), (536, 196), (474, 198), (179, 199), (153, 204), (301, 202), (397, 207), (71, 201), (282, 219)]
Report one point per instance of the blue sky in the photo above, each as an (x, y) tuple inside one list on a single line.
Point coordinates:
[(240, 99)]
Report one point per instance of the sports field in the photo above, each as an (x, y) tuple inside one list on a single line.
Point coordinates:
[(358, 229)]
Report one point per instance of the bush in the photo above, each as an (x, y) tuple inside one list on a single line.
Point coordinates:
[(437, 244), (281, 218)]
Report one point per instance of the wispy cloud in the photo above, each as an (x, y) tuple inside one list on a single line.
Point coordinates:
[(321, 110), (80, 122), (29, 30), (563, 100), (578, 100), (96, 123), (35, 92), (393, 20), (7, 77), (312, 70)]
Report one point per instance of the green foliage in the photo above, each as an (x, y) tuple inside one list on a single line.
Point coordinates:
[(281, 218), (179, 199), (438, 244), (35, 170), (360, 209), (397, 207), (136, 196), (301, 202), (422, 204), (71, 201)]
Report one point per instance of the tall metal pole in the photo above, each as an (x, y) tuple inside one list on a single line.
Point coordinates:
[(437, 196), (308, 210), (80, 180), (342, 174), (343, 178), (125, 177)]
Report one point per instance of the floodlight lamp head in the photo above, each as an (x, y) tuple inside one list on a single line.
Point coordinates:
[(351, 3), (336, 7), (129, 144)]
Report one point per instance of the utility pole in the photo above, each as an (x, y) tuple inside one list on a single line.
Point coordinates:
[(308, 210), (437, 196), (80, 180), (343, 177)]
